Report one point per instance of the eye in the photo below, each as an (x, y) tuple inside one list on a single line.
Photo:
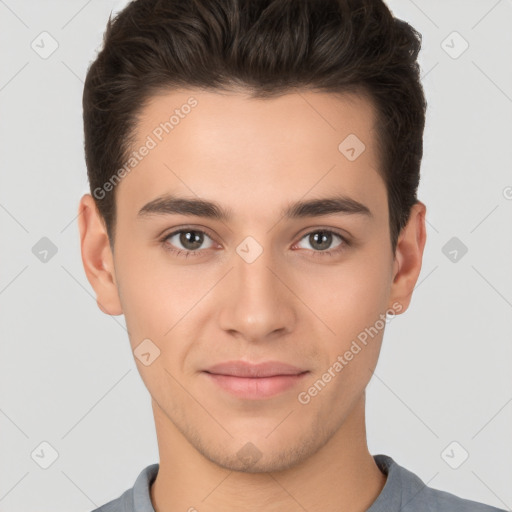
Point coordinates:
[(186, 242), (321, 242)]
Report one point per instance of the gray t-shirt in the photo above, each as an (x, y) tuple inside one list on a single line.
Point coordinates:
[(402, 492)]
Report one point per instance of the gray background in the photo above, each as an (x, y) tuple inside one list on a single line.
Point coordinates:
[(67, 376)]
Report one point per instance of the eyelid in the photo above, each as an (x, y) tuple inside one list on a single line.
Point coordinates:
[(206, 231), (339, 232), (179, 229)]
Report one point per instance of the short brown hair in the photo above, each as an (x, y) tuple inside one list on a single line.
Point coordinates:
[(267, 47)]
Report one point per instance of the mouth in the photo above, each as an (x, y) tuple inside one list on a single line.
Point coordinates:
[(255, 381)]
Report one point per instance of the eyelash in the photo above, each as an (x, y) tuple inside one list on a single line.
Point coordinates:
[(345, 243)]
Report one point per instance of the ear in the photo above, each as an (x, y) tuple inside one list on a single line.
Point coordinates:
[(97, 256), (409, 256)]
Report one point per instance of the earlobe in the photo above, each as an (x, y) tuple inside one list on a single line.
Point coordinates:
[(97, 256), (409, 256)]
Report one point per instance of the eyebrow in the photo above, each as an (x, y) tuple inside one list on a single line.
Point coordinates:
[(170, 204)]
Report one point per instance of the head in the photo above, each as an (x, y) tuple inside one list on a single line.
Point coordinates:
[(289, 135)]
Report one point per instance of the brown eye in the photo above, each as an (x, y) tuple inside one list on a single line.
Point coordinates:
[(321, 242), (191, 240), (187, 241)]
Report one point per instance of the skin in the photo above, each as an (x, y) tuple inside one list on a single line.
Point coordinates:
[(292, 304)]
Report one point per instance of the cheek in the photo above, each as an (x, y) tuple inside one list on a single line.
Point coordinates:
[(145, 295), (352, 296), (155, 304), (352, 301), (158, 298)]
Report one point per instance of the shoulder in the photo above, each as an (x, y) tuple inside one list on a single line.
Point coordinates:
[(137, 498), (122, 504), (411, 494), (444, 501)]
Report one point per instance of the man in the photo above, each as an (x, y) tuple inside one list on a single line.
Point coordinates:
[(253, 169)]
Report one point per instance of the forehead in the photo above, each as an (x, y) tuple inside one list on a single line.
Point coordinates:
[(251, 151)]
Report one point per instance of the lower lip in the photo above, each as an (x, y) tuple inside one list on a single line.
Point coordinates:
[(255, 388)]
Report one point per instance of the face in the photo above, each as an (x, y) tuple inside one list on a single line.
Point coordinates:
[(290, 270)]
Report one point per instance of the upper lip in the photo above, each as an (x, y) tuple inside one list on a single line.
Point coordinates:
[(246, 369)]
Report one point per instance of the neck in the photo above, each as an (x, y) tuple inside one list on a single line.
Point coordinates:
[(341, 471)]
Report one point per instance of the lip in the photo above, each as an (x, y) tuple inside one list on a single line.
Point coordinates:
[(246, 369), (255, 381)]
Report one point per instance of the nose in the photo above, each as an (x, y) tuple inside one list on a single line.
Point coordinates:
[(257, 304)]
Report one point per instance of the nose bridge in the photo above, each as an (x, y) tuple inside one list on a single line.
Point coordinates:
[(258, 303)]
